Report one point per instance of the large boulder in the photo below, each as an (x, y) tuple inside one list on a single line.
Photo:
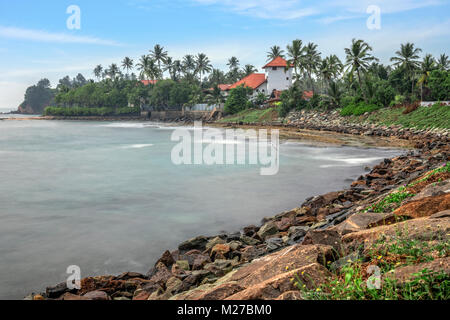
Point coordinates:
[(267, 230), (326, 237), (425, 207), (198, 243), (404, 274), (365, 220)]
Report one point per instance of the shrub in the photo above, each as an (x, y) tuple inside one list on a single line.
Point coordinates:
[(358, 109), (83, 111), (238, 100)]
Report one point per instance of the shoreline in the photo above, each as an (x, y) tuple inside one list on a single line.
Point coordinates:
[(203, 264)]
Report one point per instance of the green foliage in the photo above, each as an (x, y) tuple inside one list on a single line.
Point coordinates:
[(292, 99), (85, 111), (251, 116), (439, 84), (444, 168), (395, 198), (238, 100), (39, 96), (358, 109), (383, 93)]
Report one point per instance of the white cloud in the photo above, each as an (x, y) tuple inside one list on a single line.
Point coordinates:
[(265, 9), (44, 36)]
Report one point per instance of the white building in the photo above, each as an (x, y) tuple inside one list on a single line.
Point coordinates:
[(275, 79)]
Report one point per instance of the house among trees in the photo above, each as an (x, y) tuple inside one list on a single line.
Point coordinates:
[(277, 78)]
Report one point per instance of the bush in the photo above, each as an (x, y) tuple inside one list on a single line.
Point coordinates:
[(83, 112), (358, 109), (238, 100), (439, 84)]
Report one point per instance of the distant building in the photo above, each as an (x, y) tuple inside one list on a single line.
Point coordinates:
[(277, 78), (147, 82)]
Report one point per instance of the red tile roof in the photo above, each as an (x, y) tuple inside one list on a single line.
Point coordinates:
[(277, 62), (147, 82), (253, 81), (224, 87), (307, 95)]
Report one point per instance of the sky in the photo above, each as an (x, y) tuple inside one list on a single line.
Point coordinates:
[(37, 42)]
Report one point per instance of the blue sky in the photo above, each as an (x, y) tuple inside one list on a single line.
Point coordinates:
[(35, 41)]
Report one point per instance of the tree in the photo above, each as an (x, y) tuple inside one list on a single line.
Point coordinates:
[(311, 60), (238, 100), (295, 54), (439, 83), (127, 64), (113, 71), (358, 59), (249, 69), (428, 64), (203, 65), (443, 62), (215, 97), (233, 63), (98, 71), (274, 52), (217, 77), (159, 56), (407, 59), (189, 64)]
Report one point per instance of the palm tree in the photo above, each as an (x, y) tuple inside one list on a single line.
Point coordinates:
[(168, 66), (159, 55), (407, 58), (311, 61), (127, 64), (249, 69), (113, 71), (188, 64), (358, 60), (274, 52), (217, 77), (295, 54), (142, 66), (203, 65), (215, 97), (233, 63), (98, 71), (443, 62), (428, 64), (177, 68)]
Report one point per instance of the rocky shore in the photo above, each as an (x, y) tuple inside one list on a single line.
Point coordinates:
[(307, 246)]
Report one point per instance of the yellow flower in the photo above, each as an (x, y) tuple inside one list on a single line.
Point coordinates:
[(318, 290), (287, 268), (380, 257)]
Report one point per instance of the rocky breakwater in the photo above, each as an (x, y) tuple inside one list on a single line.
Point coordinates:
[(307, 245)]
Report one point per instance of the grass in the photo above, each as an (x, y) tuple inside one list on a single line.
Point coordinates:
[(391, 201), (351, 281), (252, 116), (444, 169), (436, 116)]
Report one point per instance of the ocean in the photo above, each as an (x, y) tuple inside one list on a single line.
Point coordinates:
[(105, 196)]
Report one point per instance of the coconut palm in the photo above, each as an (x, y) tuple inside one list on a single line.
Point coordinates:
[(233, 63), (249, 69), (168, 66), (159, 56), (127, 64), (98, 71), (188, 64), (407, 58), (428, 64), (443, 62), (215, 97), (274, 52), (217, 77), (311, 61), (203, 65), (358, 60), (295, 54), (142, 65), (113, 71)]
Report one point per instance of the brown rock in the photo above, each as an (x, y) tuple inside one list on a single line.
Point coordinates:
[(326, 237), (290, 295), (425, 207), (221, 292), (403, 274), (167, 259), (142, 296), (72, 297), (220, 249), (366, 220), (97, 296)]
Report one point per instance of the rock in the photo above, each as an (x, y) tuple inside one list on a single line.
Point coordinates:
[(250, 253), (142, 296), (249, 241), (211, 243), (56, 291), (198, 243), (269, 266), (285, 223), (433, 189), (220, 249), (325, 237), (345, 260), (221, 292), (404, 274), (425, 207), (290, 295), (274, 244), (365, 220), (296, 234), (130, 275), (37, 297), (250, 231), (267, 230), (424, 229), (162, 274), (121, 299), (183, 264), (219, 267), (167, 259), (97, 296), (440, 215), (173, 285), (72, 297), (311, 275), (235, 245)]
